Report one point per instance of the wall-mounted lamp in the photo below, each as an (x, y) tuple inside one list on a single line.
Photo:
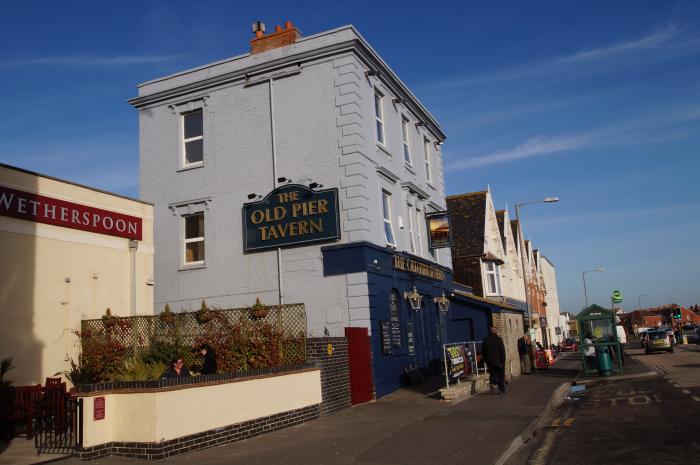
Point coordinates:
[(442, 302), (414, 298), (254, 196)]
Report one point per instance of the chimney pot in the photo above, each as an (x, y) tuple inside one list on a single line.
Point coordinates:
[(281, 37)]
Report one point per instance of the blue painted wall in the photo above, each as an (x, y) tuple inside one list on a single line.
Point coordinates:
[(466, 319)]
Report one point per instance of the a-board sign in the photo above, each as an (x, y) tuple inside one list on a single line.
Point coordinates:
[(98, 408), (291, 215), (385, 335), (456, 362), (409, 338), (394, 318)]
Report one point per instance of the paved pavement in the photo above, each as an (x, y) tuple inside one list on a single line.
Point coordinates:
[(410, 426), (636, 419)]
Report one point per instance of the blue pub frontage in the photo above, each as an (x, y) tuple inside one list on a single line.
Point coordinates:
[(400, 336)]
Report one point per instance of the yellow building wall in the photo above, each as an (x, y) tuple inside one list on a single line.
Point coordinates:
[(53, 277)]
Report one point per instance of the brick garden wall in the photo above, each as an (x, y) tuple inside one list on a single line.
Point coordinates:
[(510, 328), (335, 372), (203, 440)]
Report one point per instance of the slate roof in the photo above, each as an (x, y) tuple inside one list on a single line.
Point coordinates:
[(500, 217), (468, 217)]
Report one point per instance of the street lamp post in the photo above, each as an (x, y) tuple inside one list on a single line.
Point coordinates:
[(583, 275), (639, 300), (521, 246)]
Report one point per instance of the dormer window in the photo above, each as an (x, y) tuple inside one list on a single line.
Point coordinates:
[(492, 279)]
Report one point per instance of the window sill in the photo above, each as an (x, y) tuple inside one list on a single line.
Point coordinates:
[(384, 149), (409, 168), (197, 266), (192, 166)]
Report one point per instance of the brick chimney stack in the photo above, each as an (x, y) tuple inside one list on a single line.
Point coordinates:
[(280, 38)]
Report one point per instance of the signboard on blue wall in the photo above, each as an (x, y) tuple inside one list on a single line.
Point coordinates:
[(291, 215)]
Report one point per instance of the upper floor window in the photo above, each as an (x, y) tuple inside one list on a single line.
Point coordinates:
[(379, 116), (419, 235), (411, 235), (406, 143), (388, 227), (493, 278), (426, 155), (193, 137), (193, 246)]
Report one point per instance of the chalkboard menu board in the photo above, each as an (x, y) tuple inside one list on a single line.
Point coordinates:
[(409, 338), (385, 335), (395, 318)]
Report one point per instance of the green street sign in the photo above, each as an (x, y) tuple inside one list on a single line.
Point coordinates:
[(617, 296)]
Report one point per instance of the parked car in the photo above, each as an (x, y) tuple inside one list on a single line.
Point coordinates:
[(691, 333), (658, 340), (569, 345)]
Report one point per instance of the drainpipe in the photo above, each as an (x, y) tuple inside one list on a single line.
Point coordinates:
[(133, 246), (274, 183)]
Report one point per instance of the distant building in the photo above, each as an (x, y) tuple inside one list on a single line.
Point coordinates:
[(70, 252)]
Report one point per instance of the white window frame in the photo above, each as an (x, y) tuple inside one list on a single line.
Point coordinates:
[(406, 139), (379, 117), (386, 214), (411, 234), (183, 148), (497, 278), (186, 241), (419, 233), (426, 155)]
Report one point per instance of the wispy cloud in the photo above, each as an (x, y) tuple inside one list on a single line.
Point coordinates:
[(88, 61), (661, 126), (659, 45), (656, 40), (534, 147), (653, 212)]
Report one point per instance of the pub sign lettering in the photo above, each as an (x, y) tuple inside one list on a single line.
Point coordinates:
[(291, 215)]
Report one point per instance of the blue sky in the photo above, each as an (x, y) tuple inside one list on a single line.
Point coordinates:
[(596, 102)]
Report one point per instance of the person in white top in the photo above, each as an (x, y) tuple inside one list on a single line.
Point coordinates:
[(589, 351)]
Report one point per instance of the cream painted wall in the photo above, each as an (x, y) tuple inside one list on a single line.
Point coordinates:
[(549, 278), (53, 277), (159, 416)]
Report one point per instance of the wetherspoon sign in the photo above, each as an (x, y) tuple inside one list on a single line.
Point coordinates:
[(47, 210), (291, 215)]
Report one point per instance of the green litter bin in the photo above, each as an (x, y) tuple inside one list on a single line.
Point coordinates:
[(604, 362)]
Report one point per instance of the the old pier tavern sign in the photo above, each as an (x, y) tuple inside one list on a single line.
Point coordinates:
[(291, 215)]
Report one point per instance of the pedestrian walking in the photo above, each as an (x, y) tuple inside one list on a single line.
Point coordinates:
[(524, 354), (589, 351), (494, 352)]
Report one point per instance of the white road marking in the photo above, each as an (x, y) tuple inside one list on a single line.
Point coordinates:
[(696, 398), (686, 391)]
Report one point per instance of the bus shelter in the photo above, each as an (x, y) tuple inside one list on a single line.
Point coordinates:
[(601, 352)]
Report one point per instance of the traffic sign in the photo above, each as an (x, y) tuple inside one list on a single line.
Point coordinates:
[(617, 296)]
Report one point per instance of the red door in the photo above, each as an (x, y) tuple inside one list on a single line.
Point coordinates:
[(360, 355)]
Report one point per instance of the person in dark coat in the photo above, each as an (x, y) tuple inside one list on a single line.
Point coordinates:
[(209, 364), (177, 369), (524, 354), (494, 353)]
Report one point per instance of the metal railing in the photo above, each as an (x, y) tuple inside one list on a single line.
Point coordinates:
[(58, 426)]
